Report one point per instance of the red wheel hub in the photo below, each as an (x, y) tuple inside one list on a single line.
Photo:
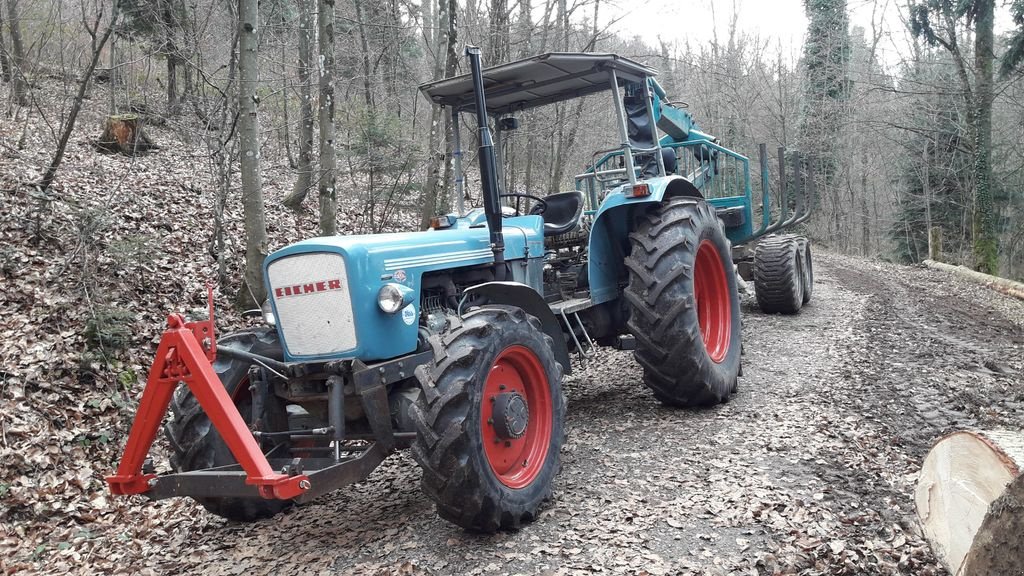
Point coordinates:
[(712, 300), (516, 417)]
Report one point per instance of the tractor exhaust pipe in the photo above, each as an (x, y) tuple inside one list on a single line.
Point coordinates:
[(488, 166)]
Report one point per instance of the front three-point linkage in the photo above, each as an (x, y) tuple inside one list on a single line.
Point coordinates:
[(185, 355)]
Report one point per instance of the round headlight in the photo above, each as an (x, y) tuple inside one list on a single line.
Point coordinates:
[(268, 313), (390, 298)]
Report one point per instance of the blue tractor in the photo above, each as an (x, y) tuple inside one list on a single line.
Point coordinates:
[(453, 342)]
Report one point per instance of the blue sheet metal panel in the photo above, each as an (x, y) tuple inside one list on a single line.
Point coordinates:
[(609, 237), (374, 260)]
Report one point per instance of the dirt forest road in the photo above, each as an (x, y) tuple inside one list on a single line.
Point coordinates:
[(808, 470)]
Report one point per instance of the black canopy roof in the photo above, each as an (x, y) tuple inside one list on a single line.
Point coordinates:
[(537, 81)]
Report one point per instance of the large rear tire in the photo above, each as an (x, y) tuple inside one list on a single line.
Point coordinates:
[(196, 443), (490, 421), (685, 309), (779, 275)]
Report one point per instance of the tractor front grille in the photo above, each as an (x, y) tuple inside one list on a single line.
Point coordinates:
[(313, 303)]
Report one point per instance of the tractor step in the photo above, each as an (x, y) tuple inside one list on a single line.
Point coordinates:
[(324, 475), (571, 308)]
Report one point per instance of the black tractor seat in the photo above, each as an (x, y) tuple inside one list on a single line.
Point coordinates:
[(562, 213)]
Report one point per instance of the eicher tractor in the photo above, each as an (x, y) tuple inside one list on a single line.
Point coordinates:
[(453, 342)]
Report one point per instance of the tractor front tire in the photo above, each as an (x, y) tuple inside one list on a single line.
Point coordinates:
[(684, 305), (779, 275), (490, 421), (196, 443)]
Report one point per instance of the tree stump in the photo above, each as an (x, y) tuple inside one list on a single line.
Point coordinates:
[(122, 134), (970, 501), (935, 243)]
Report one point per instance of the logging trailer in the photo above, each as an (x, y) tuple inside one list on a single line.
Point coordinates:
[(453, 342)]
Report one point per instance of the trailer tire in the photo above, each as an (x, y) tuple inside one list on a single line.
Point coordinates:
[(808, 269), (778, 275), (472, 475), (684, 304), (195, 443)]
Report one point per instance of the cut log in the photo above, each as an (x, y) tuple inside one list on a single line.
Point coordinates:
[(122, 134), (1004, 285), (970, 500)]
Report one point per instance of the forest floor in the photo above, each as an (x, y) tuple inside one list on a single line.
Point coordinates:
[(809, 469)]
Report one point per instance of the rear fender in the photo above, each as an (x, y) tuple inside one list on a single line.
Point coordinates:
[(609, 237), (531, 302)]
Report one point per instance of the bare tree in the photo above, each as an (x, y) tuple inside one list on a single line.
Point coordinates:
[(986, 243), (328, 155), (98, 42), (249, 143), (937, 21), (222, 146), (440, 123), (5, 57), (305, 177), (20, 85), (171, 16)]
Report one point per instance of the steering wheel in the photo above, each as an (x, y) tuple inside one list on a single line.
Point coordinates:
[(537, 209)]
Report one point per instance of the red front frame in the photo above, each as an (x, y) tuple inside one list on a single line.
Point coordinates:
[(186, 354)]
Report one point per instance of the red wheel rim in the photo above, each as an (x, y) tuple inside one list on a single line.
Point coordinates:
[(711, 298), (517, 461)]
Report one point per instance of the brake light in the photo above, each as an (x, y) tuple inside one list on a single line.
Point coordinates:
[(640, 190)]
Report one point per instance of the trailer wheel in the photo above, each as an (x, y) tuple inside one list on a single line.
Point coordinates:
[(779, 275), (685, 309), (490, 421), (197, 445), (808, 269)]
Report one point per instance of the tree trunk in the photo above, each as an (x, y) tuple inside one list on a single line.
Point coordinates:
[(170, 49), (439, 121), (970, 500), (222, 152), (328, 155), (83, 85), (986, 247), (451, 66), (172, 85), (183, 52), (499, 31), (304, 180), (284, 100), (997, 283), (254, 292), (5, 57), (364, 47), (20, 86), (427, 9), (935, 243), (112, 76)]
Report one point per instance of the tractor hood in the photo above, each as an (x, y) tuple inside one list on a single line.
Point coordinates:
[(324, 290)]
